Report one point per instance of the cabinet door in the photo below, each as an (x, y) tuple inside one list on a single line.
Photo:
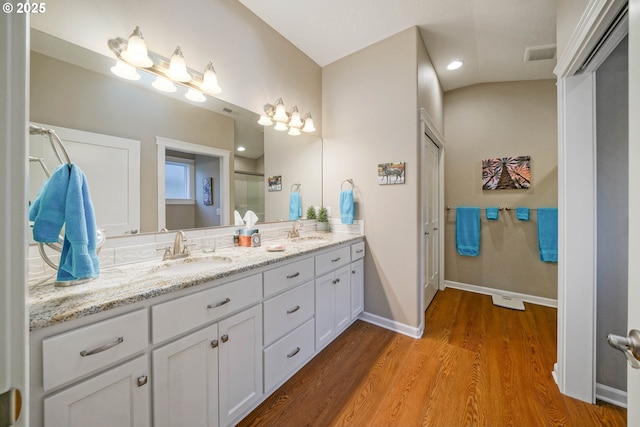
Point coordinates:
[(116, 398), (357, 288), (342, 298), (325, 329), (185, 385), (240, 363)]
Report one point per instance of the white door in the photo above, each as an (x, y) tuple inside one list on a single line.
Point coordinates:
[(14, 393), (633, 375), (431, 185)]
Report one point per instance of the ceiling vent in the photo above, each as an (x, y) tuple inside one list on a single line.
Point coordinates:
[(540, 53)]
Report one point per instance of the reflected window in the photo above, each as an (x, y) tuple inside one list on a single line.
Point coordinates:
[(179, 177)]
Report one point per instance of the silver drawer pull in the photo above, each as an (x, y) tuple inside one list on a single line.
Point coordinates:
[(102, 348), (294, 352), (291, 276), (221, 303), (359, 251), (293, 310), (335, 259), (142, 380)]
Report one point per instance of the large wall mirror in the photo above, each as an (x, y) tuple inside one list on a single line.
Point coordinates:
[(73, 88)]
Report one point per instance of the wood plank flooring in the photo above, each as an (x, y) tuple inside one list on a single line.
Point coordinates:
[(477, 365)]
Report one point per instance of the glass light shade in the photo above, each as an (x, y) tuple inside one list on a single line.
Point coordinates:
[(280, 126), (210, 81), (125, 71), (308, 124), (281, 112), (163, 85), (136, 51), (295, 118), (265, 121), (195, 95), (294, 131), (178, 68)]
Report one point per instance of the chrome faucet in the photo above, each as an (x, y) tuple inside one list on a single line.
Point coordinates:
[(294, 231), (180, 250)]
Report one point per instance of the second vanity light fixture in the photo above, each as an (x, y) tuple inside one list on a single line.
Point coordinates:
[(133, 54), (286, 120)]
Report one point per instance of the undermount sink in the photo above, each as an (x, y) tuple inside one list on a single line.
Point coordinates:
[(190, 265)]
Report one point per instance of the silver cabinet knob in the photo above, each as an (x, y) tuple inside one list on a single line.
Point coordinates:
[(224, 338)]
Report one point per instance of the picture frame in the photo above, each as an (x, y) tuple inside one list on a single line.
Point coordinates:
[(207, 191), (274, 183), (391, 173)]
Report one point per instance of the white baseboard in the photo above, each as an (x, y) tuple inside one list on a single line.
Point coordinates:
[(391, 325), (611, 395), (547, 302)]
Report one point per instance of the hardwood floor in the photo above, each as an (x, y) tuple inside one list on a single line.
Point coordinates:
[(477, 364)]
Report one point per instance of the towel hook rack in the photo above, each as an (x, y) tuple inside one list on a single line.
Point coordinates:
[(296, 187), (350, 181)]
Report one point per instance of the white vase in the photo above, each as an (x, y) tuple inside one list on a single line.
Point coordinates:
[(322, 226)]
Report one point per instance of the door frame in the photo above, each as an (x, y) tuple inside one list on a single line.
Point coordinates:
[(14, 114), (574, 371), (428, 127)]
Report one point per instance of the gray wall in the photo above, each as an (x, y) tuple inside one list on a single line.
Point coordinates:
[(612, 98), (499, 120)]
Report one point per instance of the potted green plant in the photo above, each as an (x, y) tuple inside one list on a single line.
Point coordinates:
[(323, 220), (311, 213)]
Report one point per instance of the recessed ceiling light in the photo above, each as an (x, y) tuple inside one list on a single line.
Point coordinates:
[(454, 65), (241, 148)]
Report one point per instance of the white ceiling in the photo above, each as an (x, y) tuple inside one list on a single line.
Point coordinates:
[(490, 36)]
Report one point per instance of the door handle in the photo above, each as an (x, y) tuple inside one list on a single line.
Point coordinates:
[(630, 346), (10, 407)]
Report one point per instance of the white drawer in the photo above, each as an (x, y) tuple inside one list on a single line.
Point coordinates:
[(281, 278), (174, 317), (357, 251), (84, 350), (287, 311), (332, 260), (286, 355)]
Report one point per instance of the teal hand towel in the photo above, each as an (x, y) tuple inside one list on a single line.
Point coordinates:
[(295, 206), (522, 214), (347, 206), (48, 209), (79, 259), (468, 231), (492, 213), (548, 234)]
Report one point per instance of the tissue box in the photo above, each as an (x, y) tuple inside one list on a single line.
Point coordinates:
[(249, 238)]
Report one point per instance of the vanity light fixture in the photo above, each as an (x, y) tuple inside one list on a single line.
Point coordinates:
[(284, 120), (133, 53), (126, 71)]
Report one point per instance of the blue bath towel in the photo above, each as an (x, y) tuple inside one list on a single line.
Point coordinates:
[(347, 206), (295, 206), (492, 213), (468, 231), (548, 234), (522, 214), (65, 199)]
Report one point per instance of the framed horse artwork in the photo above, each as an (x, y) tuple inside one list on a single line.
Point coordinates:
[(391, 173)]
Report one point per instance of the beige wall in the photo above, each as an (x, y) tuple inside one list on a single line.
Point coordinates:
[(254, 63), (568, 14), (370, 105), (113, 107), (498, 120)]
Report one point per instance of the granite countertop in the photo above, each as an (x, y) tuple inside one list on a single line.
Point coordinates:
[(128, 284)]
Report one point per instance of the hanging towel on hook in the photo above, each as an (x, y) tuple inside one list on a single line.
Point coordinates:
[(347, 206), (295, 206), (468, 230), (548, 234), (492, 213)]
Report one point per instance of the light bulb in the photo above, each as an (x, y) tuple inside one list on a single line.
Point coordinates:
[(178, 68), (136, 51), (195, 95), (126, 71), (308, 124), (163, 85), (210, 81)]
